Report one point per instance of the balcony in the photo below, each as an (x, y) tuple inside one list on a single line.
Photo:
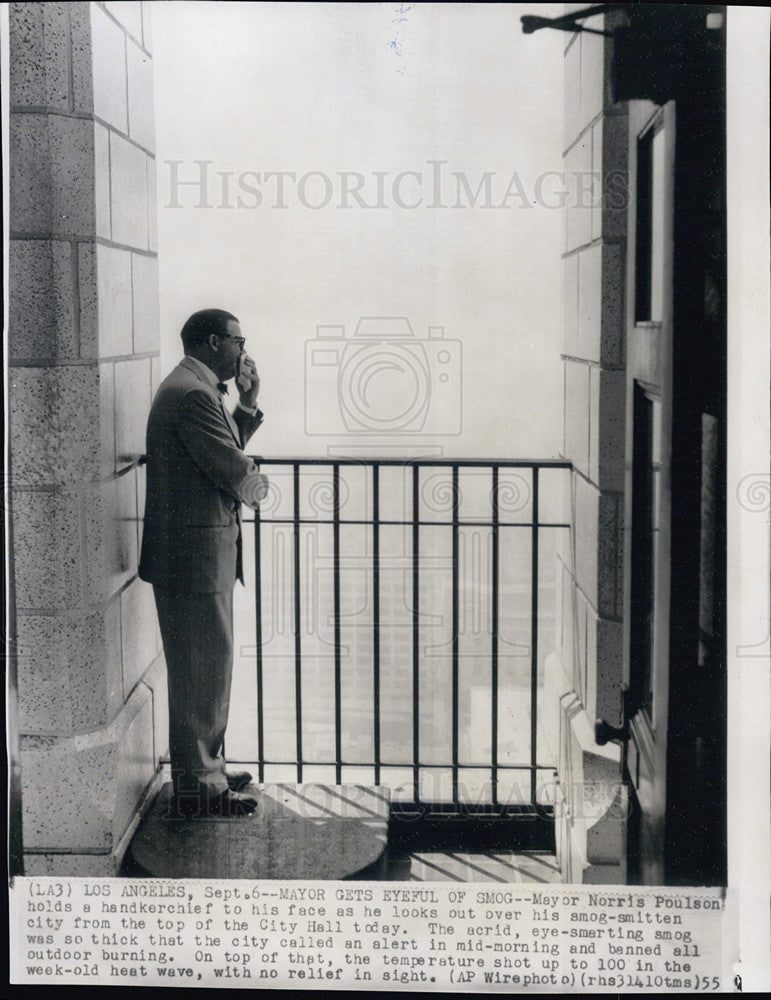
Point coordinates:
[(392, 638)]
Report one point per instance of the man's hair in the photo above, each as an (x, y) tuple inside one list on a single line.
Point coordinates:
[(203, 324)]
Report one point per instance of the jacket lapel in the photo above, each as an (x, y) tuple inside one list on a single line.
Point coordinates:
[(230, 421), (232, 425)]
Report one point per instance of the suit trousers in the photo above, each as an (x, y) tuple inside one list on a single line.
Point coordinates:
[(197, 634)]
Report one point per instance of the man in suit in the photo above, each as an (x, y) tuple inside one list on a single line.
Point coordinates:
[(197, 478)]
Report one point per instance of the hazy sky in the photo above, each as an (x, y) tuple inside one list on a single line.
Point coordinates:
[(369, 92)]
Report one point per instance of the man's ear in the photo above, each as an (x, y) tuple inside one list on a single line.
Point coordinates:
[(213, 341)]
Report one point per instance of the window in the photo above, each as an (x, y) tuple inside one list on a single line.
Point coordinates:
[(649, 285), (645, 526)]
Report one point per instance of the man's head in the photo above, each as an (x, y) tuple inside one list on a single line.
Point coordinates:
[(213, 336)]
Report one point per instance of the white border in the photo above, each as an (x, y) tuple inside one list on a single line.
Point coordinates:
[(749, 693)]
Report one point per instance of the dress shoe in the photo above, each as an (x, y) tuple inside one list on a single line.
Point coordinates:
[(238, 780)]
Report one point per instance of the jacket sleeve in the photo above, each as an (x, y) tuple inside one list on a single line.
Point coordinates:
[(247, 424), (206, 436)]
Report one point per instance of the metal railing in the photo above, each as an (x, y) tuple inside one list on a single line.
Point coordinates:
[(377, 519)]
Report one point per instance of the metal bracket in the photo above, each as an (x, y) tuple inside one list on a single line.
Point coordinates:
[(568, 22), (605, 733)]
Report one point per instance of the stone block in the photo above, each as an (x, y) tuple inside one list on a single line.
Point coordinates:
[(88, 295), (100, 862), (601, 304), (140, 96), (108, 66), (612, 159), (572, 94), (576, 417), (132, 405), (111, 536), (155, 680), (606, 669), (141, 494), (54, 419), (152, 206), (144, 283), (605, 802), (570, 305), (128, 193), (597, 545), (613, 874), (42, 301), (607, 429), (591, 820), (47, 550), (39, 46), (580, 662), (114, 297), (136, 764), (610, 555), (52, 175), (106, 420), (613, 281), (586, 529), (82, 57), (590, 297), (581, 186), (597, 201), (556, 684), (592, 77), (147, 26), (567, 648), (102, 181), (138, 629), (129, 13), (558, 609), (104, 774), (69, 671), (105, 299)]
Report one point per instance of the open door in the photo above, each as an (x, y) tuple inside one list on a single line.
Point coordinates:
[(649, 390), (675, 514)]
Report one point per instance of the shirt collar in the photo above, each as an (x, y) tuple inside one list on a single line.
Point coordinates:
[(203, 371)]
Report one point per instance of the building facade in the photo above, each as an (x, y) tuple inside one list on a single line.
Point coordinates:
[(636, 697), (83, 347), (633, 705)]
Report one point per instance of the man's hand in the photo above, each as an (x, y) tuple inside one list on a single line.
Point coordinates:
[(254, 488), (248, 396)]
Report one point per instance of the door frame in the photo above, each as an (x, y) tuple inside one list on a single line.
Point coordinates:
[(649, 365)]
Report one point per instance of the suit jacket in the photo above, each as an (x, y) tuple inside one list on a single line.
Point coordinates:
[(197, 477)]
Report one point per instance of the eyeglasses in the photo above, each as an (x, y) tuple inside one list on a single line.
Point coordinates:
[(240, 341)]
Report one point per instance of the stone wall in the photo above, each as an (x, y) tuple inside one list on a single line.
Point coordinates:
[(83, 352), (584, 682)]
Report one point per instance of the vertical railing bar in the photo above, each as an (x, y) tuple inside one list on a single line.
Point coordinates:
[(416, 630), (494, 635), (336, 585), (258, 643), (376, 613), (455, 592), (297, 622), (534, 640)]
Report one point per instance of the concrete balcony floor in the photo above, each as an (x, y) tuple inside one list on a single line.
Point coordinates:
[(317, 831)]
